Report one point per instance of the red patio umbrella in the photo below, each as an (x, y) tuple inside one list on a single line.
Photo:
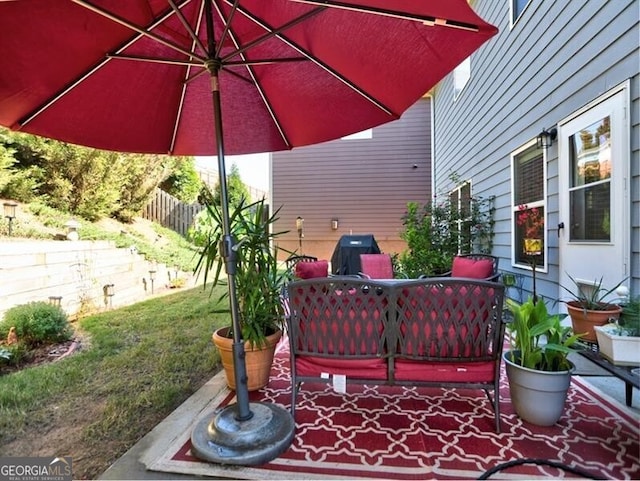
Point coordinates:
[(165, 76)]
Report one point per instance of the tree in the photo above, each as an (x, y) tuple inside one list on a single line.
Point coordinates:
[(204, 223), (143, 174), (6, 163), (237, 190), (184, 183), (87, 182)]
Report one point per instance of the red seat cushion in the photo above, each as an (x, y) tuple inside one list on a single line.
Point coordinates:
[(471, 268), (410, 370), (371, 368), (311, 270)]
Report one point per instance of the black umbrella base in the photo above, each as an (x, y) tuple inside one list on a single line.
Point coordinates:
[(225, 440)]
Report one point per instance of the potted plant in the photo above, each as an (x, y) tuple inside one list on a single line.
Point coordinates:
[(620, 342), (537, 365), (589, 307), (532, 222), (259, 283)]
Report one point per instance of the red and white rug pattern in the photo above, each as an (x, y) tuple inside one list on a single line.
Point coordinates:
[(375, 432)]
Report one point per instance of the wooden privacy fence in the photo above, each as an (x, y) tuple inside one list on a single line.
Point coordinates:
[(174, 214), (170, 212)]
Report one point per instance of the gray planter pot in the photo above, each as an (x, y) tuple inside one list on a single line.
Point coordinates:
[(538, 397)]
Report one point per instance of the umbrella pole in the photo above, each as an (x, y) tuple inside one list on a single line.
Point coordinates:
[(228, 248), (242, 433)]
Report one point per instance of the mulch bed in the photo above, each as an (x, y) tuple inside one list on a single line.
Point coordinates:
[(43, 355)]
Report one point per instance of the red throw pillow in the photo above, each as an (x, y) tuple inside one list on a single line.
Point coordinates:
[(475, 269), (311, 270)]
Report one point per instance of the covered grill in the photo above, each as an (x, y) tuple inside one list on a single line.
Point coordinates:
[(346, 255)]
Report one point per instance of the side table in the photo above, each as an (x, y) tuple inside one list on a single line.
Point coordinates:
[(624, 373)]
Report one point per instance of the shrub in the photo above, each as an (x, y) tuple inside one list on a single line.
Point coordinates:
[(36, 323), (437, 231)]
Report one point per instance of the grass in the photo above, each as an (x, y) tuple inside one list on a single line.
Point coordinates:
[(182, 253), (141, 363)]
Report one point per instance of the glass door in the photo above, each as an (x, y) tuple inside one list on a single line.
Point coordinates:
[(593, 178)]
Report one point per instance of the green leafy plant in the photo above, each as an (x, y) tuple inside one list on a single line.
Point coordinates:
[(437, 231), (538, 339), (258, 279), (591, 298), (5, 354), (629, 321), (17, 354), (36, 323)]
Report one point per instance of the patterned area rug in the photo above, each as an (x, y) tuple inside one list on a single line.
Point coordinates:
[(398, 433)]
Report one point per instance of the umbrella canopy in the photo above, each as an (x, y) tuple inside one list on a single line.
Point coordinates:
[(162, 76), (131, 75)]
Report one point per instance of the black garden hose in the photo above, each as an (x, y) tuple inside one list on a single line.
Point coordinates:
[(543, 462)]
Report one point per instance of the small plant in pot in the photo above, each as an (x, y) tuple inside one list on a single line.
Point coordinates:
[(590, 306), (258, 280), (537, 364), (619, 342)]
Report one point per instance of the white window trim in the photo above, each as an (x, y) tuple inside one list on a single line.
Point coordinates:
[(458, 92), (362, 135), (512, 22), (458, 189), (543, 203)]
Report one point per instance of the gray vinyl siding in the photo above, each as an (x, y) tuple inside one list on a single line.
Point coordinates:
[(557, 58), (364, 183)]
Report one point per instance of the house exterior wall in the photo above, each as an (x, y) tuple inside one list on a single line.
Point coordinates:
[(557, 58), (364, 183)]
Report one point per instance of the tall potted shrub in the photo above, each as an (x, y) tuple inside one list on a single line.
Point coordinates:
[(259, 284), (537, 365)]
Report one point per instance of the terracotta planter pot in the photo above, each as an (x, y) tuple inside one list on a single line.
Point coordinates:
[(258, 360), (584, 321)]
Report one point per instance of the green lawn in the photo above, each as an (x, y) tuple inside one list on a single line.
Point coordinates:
[(136, 365)]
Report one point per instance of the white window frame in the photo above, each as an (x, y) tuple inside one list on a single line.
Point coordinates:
[(513, 19), (461, 77), (364, 134), (457, 192), (542, 203)]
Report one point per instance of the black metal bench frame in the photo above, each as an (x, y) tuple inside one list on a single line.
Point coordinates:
[(405, 316)]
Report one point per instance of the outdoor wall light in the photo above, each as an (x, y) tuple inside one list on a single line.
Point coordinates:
[(334, 224), (300, 229), (546, 137), (10, 214)]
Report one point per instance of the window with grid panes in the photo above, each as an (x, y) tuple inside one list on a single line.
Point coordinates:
[(460, 199), (528, 190)]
